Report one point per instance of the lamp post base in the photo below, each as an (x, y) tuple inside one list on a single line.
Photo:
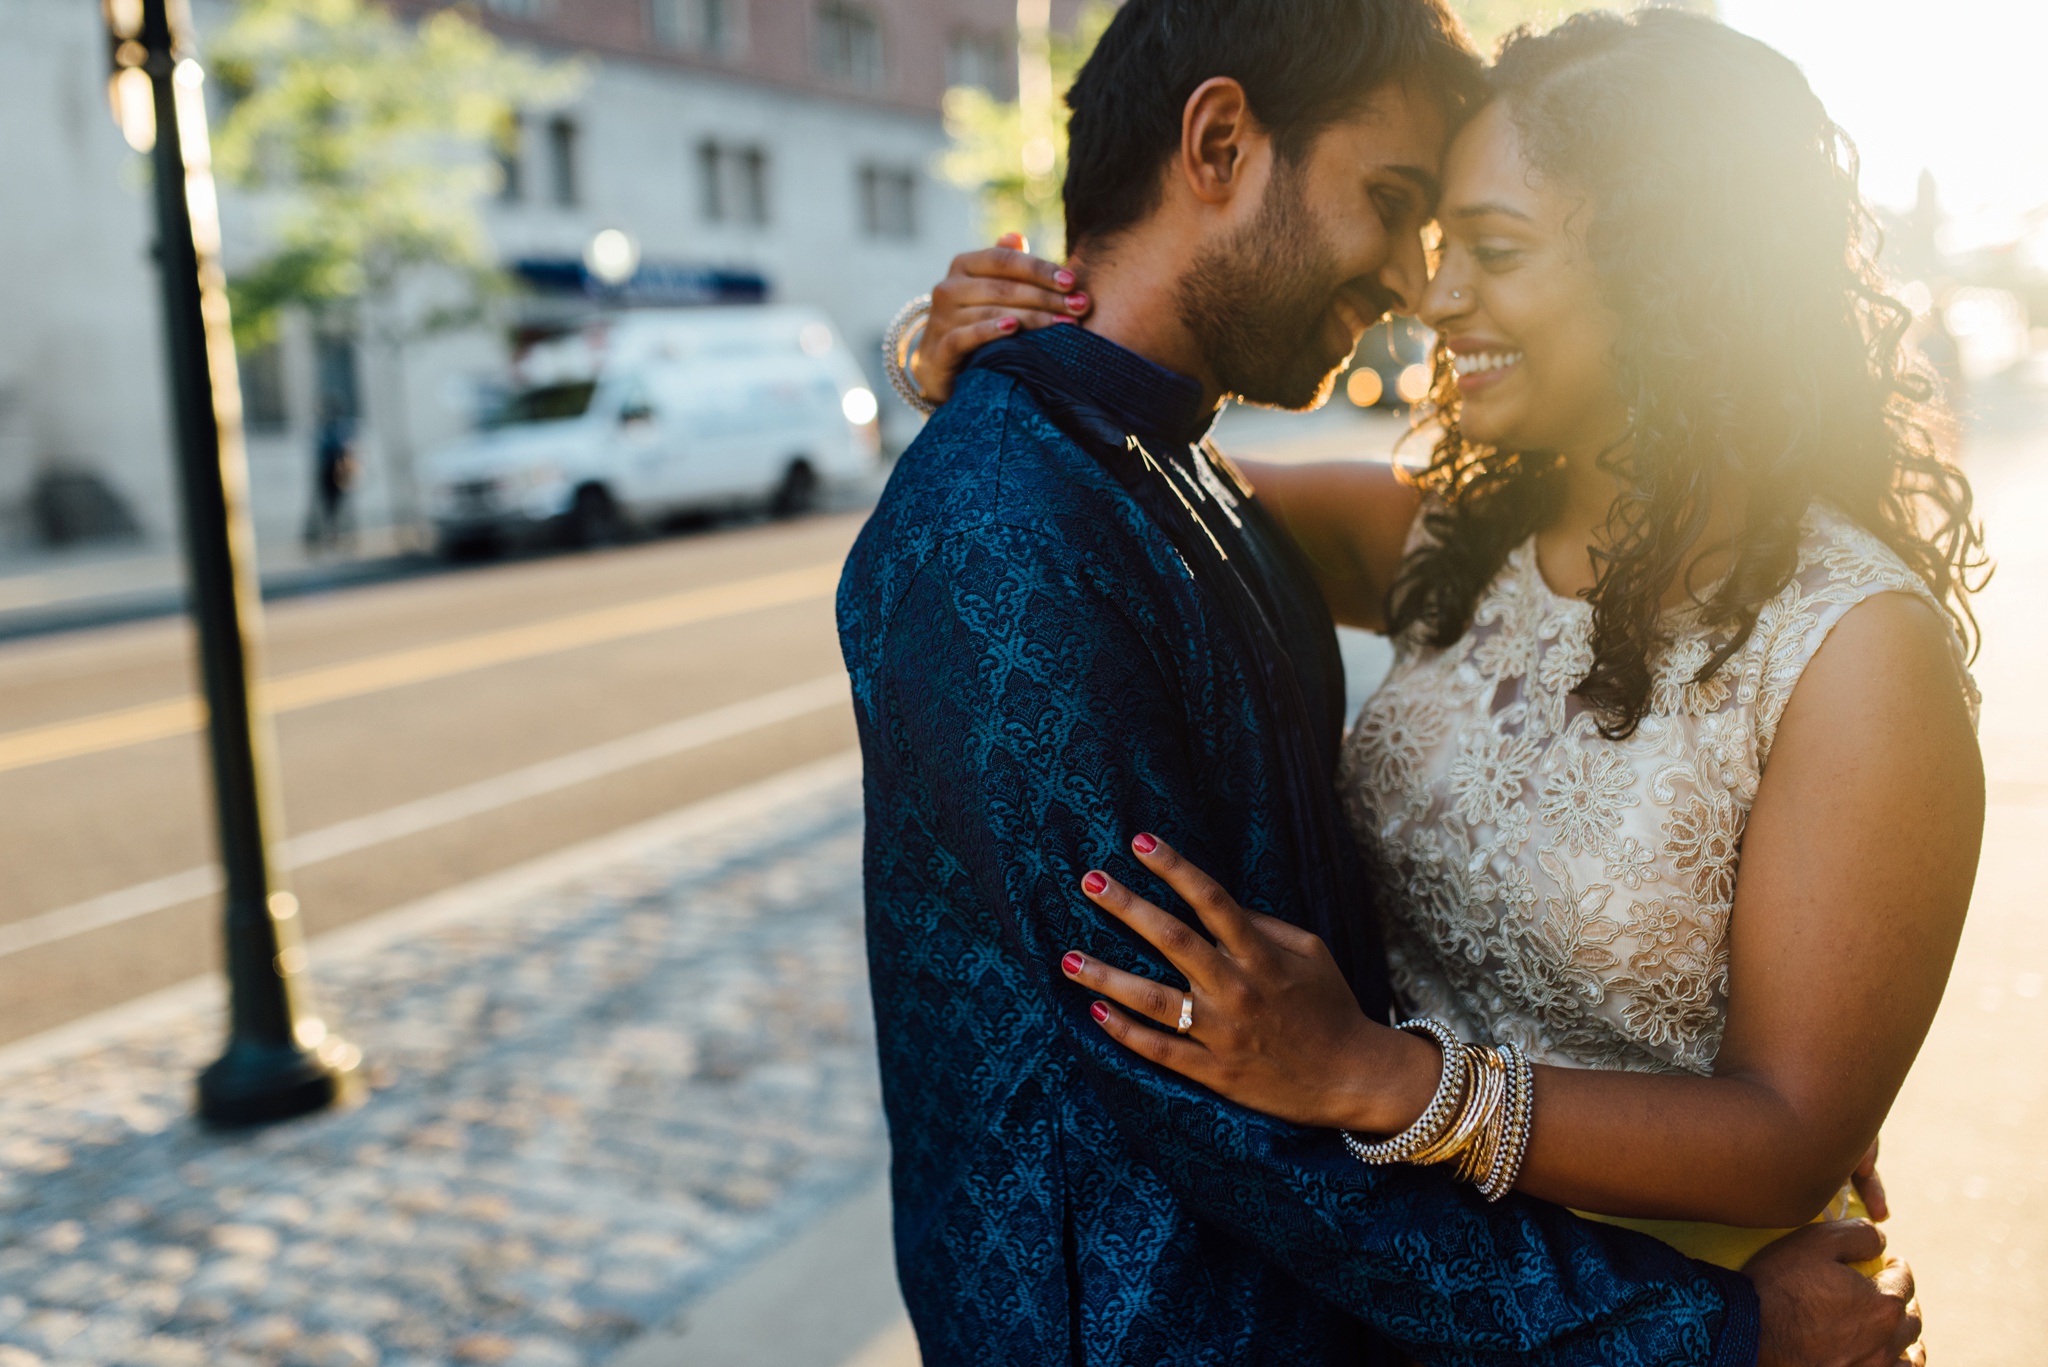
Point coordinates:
[(255, 1084)]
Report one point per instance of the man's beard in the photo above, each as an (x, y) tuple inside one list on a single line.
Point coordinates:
[(1257, 303)]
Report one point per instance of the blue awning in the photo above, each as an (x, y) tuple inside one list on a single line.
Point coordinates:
[(655, 282)]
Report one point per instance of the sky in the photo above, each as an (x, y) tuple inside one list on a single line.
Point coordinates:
[(1957, 86)]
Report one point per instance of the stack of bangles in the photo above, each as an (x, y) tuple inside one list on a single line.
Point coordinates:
[(1479, 1118), (905, 331)]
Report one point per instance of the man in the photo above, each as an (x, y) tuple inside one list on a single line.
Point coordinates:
[(1064, 620)]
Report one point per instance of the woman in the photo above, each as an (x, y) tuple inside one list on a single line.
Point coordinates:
[(1673, 787)]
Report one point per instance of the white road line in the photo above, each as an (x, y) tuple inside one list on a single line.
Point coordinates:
[(411, 818), (483, 897), (151, 721)]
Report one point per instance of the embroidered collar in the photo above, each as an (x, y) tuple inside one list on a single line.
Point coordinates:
[(1162, 408)]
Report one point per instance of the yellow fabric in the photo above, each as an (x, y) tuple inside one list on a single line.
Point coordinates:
[(1731, 1246)]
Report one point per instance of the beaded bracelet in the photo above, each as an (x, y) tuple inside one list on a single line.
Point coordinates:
[(1436, 1118)]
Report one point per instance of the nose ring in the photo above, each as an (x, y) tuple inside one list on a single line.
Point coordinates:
[(1457, 294)]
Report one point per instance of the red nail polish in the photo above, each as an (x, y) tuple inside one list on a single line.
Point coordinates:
[(1094, 881), (1073, 963), (1100, 1012), (1144, 843), (1077, 302), (1064, 279), (1007, 325)]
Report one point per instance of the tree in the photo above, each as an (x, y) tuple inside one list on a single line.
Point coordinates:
[(1015, 174), (367, 146)]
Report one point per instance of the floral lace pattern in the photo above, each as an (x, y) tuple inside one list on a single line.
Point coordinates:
[(1546, 885)]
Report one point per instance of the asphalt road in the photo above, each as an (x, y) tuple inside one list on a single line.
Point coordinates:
[(429, 732)]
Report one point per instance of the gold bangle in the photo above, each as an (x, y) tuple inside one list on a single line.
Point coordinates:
[(1506, 1167), (1471, 1115), (1486, 1176), (1485, 1135)]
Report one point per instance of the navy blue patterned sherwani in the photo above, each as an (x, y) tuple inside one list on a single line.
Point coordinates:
[(1043, 664)]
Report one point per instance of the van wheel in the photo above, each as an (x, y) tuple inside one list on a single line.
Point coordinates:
[(594, 519), (798, 492), (467, 546)]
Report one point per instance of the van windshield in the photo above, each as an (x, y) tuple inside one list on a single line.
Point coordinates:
[(544, 403)]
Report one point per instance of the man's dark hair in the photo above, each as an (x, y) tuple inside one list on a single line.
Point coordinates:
[(1304, 65)]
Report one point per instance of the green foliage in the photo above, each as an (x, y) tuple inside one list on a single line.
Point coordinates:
[(987, 153), (369, 143)]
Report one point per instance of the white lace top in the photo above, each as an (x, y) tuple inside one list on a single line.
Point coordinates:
[(1548, 886)]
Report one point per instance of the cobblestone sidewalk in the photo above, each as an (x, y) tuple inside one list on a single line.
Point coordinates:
[(588, 1104)]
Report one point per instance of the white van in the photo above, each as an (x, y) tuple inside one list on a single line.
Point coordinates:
[(644, 415)]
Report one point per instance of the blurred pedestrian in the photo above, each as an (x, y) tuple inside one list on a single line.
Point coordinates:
[(328, 523)]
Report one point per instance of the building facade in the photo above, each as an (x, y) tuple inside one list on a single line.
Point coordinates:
[(750, 148)]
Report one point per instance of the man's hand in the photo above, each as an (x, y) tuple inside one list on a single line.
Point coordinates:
[(989, 294), (1818, 1311)]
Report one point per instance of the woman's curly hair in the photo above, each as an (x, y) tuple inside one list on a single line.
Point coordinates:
[(1758, 350)]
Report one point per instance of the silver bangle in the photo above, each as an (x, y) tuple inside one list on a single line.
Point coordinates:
[(906, 329), (1436, 1117)]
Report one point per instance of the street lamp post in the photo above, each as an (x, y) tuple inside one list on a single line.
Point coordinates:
[(280, 1060)]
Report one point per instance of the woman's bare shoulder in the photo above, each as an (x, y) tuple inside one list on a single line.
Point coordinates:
[(1894, 645), (1886, 699)]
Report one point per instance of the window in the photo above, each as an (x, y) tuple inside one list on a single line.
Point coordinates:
[(849, 46), (511, 161), (520, 9), (714, 27), (888, 201), (562, 161), (334, 376), (981, 60), (544, 403), (732, 183), (711, 181), (263, 399), (753, 164)]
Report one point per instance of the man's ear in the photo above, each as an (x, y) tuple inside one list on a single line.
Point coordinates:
[(1219, 139)]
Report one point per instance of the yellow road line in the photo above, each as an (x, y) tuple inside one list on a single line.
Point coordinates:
[(311, 687)]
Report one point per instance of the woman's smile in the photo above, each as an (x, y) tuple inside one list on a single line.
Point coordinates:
[(1481, 365)]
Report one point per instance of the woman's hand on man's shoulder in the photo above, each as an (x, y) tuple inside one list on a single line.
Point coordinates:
[(988, 294)]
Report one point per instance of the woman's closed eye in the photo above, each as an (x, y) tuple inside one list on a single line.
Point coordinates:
[(1495, 258)]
